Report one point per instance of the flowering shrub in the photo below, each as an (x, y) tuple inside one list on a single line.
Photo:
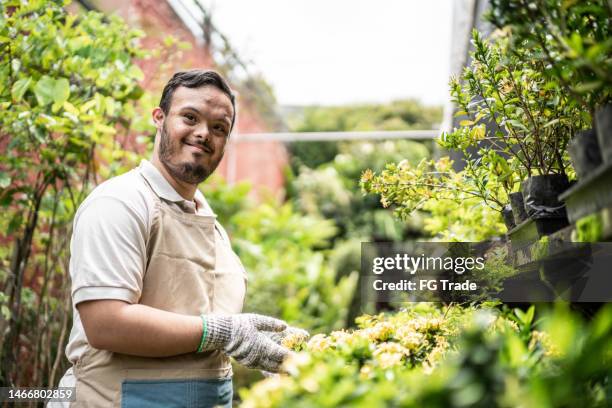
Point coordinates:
[(447, 357), (454, 198)]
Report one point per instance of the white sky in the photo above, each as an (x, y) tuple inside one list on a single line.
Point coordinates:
[(343, 51)]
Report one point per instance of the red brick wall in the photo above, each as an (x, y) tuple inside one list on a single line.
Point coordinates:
[(261, 163)]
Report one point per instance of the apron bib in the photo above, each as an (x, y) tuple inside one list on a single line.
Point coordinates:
[(191, 269)]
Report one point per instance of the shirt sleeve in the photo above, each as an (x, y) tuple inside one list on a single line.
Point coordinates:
[(108, 251)]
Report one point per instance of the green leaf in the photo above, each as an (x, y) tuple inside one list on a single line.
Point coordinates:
[(552, 122), (15, 65), (516, 124), (6, 198), (61, 91), (575, 42), (5, 180), (587, 86), (19, 88), (68, 107), (6, 312), (169, 40), (104, 129), (136, 92), (74, 118), (109, 104), (530, 314), (14, 224), (594, 51), (44, 90), (135, 72), (56, 107), (88, 105), (78, 142), (184, 45)]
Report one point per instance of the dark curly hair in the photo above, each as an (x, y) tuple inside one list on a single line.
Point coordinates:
[(196, 78)]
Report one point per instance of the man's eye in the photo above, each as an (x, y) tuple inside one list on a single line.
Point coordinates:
[(219, 128), (190, 117)]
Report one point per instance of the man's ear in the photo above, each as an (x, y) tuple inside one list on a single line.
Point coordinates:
[(158, 117)]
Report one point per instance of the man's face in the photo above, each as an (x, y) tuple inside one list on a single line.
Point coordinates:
[(194, 132)]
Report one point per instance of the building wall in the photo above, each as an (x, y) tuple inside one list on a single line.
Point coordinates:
[(467, 15), (260, 163)]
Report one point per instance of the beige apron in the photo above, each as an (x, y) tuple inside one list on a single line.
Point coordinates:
[(190, 270)]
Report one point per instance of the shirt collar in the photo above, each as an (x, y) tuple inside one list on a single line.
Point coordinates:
[(203, 206), (164, 189)]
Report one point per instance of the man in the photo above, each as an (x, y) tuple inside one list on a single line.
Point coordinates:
[(157, 290)]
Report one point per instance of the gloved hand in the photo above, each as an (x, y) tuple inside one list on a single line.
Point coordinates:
[(242, 337), (278, 338)]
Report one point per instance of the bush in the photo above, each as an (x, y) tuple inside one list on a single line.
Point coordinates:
[(450, 357), (69, 94)]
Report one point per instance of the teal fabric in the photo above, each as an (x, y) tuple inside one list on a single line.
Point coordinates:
[(176, 393)]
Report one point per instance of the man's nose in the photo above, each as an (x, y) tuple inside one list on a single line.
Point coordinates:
[(201, 132)]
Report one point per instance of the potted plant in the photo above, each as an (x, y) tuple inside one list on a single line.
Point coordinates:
[(571, 43), (524, 125), (514, 128)]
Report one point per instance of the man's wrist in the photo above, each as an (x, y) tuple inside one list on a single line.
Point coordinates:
[(204, 334), (218, 332)]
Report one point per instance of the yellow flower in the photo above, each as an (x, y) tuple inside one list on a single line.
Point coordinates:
[(390, 354), (409, 338), (550, 350), (379, 332), (367, 175), (293, 340), (436, 354), (365, 372), (387, 360), (433, 324), (513, 325), (340, 336), (319, 342), (366, 320)]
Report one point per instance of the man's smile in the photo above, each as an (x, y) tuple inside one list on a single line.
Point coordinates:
[(199, 147)]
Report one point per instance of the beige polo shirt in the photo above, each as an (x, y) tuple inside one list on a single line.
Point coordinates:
[(108, 246)]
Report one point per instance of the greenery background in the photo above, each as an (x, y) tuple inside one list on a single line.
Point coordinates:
[(65, 125)]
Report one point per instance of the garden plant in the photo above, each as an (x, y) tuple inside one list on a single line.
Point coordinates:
[(514, 127), (570, 42), (62, 114), (453, 356)]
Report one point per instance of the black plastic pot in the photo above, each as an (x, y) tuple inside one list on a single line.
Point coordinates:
[(540, 194), (518, 207), (585, 153), (603, 127), (508, 217)]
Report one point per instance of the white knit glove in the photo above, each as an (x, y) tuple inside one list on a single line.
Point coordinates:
[(278, 338), (242, 336)]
